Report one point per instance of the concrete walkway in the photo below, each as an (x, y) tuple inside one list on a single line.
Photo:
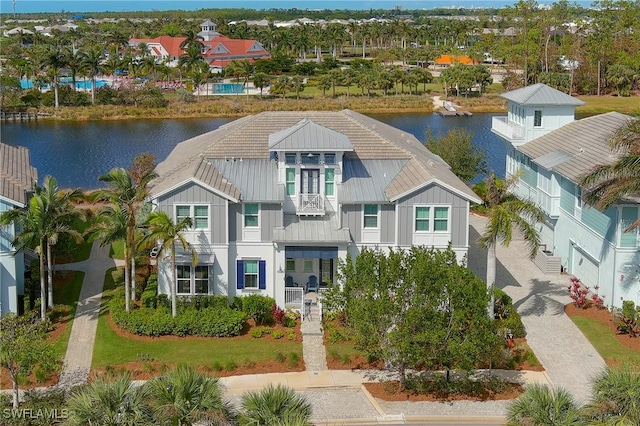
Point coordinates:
[(313, 350), (568, 357), (77, 361)]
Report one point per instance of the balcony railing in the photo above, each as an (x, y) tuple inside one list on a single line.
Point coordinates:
[(549, 203), (311, 204), (510, 131), (294, 298)]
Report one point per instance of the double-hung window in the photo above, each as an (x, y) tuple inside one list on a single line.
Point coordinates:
[(537, 118), (251, 215), (431, 219), (251, 274), (290, 181), (192, 279), (329, 179), (199, 215), (371, 215)]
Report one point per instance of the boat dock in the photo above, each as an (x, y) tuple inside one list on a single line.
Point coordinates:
[(449, 109)]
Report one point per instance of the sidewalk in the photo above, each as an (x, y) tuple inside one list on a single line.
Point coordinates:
[(77, 361)]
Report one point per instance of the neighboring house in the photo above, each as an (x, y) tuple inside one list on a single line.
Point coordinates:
[(217, 50), (17, 180), (290, 193), (553, 151)]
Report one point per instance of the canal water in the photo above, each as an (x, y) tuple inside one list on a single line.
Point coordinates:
[(76, 153)]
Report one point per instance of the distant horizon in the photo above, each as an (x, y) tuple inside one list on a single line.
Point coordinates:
[(93, 6)]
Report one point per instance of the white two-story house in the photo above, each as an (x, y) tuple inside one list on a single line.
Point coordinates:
[(552, 151), (17, 181), (277, 198)]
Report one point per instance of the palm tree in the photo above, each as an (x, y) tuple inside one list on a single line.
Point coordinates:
[(615, 398), (505, 209), (60, 215), (192, 58), (163, 229), (261, 80), (127, 195), (275, 405), (93, 59), (184, 397), (541, 405), (107, 402), (608, 183), (53, 62)]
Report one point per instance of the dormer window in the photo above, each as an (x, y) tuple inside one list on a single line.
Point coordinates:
[(290, 158), (330, 158), (537, 118), (310, 158)]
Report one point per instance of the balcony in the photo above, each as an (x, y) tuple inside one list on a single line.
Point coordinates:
[(549, 203), (512, 132), (310, 205)]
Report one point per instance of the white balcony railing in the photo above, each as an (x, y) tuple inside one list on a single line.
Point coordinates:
[(294, 298), (510, 131), (311, 204), (549, 203)]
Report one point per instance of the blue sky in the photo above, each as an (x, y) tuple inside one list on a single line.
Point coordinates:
[(30, 6)]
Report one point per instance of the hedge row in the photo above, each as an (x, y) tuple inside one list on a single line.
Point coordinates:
[(209, 322)]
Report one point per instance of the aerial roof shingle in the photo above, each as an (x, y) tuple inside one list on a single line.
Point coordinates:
[(17, 175)]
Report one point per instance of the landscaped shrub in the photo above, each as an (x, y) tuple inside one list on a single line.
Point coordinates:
[(258, 332), (503, 304), (257, 307), (507, 318), (148, 299), (294, 359), (290, 319), (277, 334), (278, 314), (210, 322), (439, 385), (627, 318)]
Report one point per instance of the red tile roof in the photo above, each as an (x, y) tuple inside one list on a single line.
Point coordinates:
[(452, 59)]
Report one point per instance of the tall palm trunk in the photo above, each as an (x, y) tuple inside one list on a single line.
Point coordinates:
[(491, 277), (55, 90), (49, 276), (127, 265), (43, 285), (133, 279), (174, 289), (93, 90)]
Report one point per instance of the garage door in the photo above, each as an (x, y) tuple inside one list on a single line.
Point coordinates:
[(583, 267)]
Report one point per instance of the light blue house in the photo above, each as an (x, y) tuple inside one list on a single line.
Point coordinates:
[(279, 197), (553, 151), (17, 180)]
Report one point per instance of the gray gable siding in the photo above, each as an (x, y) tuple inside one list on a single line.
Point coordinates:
[(352, 219), (195, 194), (567, 196), (600, 222), (433, 195), (628, 216), (270, 216), (388, 224)]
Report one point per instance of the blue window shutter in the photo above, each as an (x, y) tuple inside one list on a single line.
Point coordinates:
[(262, 274), (239, 274)]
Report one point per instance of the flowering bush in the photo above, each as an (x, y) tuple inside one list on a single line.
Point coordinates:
[(278, 314), (579, 293)]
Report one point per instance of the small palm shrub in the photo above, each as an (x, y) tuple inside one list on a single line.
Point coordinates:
[(541, 405), (275, 405)]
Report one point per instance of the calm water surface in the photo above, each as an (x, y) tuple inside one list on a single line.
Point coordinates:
[(76, 153)]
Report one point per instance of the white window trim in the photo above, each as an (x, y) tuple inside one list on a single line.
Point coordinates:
[(333, 167), (286, 182), (244, 205), (244, 274), (578, 201), (365, 215), (432, 218), (192, 279), (192, 212)]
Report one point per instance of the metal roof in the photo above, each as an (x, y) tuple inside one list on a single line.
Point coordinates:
[(586, 141), (309, 136), (297, 229), (366, 180), (17, 175), (540, 94), (552, 159), (256, 179), (371, 139)]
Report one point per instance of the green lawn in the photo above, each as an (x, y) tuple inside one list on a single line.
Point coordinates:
[(117, 250), (601, 104), (601, 337), (111, 349), (67, 296)]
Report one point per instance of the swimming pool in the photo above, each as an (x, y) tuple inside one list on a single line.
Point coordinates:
[(80, 84), (227, 88)]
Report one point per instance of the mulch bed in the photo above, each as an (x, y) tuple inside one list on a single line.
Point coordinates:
[(390, 391), (605, 317)]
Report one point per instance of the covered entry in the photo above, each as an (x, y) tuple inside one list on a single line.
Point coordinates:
[(305, 261)]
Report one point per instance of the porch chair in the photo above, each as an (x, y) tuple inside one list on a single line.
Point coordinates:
[(288, 282), (312, 285)]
